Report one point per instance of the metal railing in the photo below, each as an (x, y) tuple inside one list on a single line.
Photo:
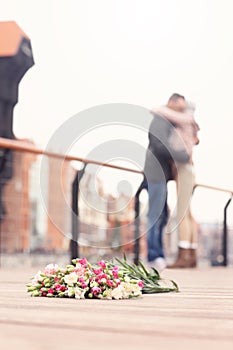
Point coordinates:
[(23, 146), (225, 228), (225, 231)]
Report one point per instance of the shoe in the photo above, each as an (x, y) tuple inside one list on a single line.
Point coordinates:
[(159, 264), (186, 259), (193, 258)]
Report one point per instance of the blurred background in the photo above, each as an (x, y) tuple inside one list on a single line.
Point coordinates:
[(94, 53)]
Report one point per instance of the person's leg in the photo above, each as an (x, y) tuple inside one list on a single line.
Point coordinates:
[(187, 250), (185, 183), (164, 220), (156, 219), (194, 242)]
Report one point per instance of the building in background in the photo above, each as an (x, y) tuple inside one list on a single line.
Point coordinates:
[(60, 178), (36, 222), (15, 225), (107, 228)]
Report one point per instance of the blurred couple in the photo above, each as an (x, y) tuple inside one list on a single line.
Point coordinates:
[(172, 135)]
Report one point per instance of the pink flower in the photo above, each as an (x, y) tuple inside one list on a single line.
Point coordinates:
[(115, 274), (110, 283), (102, 264), (83, 262), (58, 287), (51, 269), (118, 282), (101, 276), (80, 270), (115, 271), (97, 271), (140, 284), (50, 291), (95, 290)]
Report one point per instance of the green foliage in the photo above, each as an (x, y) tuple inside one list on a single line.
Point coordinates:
[(153, 283)]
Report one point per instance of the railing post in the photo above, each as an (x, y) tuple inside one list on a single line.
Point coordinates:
[(74, 248), (137, 229), (225, 230), (225, 235), (137, 221)]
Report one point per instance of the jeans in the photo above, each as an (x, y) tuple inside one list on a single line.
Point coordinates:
[(157, 219)]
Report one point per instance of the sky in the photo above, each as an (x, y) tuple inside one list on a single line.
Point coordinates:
[(89, 53)]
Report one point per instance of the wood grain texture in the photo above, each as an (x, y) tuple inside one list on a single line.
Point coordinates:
[(200, 316)]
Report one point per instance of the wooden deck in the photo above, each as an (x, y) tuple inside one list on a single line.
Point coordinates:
[(199, 317)]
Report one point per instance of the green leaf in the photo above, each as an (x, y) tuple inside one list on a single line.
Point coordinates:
[(147, 273), (156, 272), (151, 278), (176, 285)]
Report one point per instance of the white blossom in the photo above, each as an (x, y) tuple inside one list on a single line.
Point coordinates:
[(117, 292), (71, 292), (79, 293), (71, 279)]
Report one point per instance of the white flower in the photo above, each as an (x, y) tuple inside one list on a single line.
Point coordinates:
[(117, 292), (126, 279), (51, 269), (71, 278), (37, 278), (71, 292), (79, 293), (108, 294), (136, 290), (130, 289)]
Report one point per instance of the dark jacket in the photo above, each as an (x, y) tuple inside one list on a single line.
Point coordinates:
[(160, 155)]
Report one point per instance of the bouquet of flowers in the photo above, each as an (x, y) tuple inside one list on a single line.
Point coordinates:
[(104, 280)]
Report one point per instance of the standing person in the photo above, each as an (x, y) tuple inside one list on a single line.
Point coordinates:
[(159, 161), (187, 129)]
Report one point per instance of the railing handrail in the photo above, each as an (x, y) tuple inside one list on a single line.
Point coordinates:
[(19, 145), (213, 188), (26, 147)]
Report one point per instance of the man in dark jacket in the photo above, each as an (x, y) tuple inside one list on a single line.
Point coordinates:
[(159, 162)]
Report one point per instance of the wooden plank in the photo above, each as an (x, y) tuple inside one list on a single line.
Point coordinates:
[(200, 315)]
